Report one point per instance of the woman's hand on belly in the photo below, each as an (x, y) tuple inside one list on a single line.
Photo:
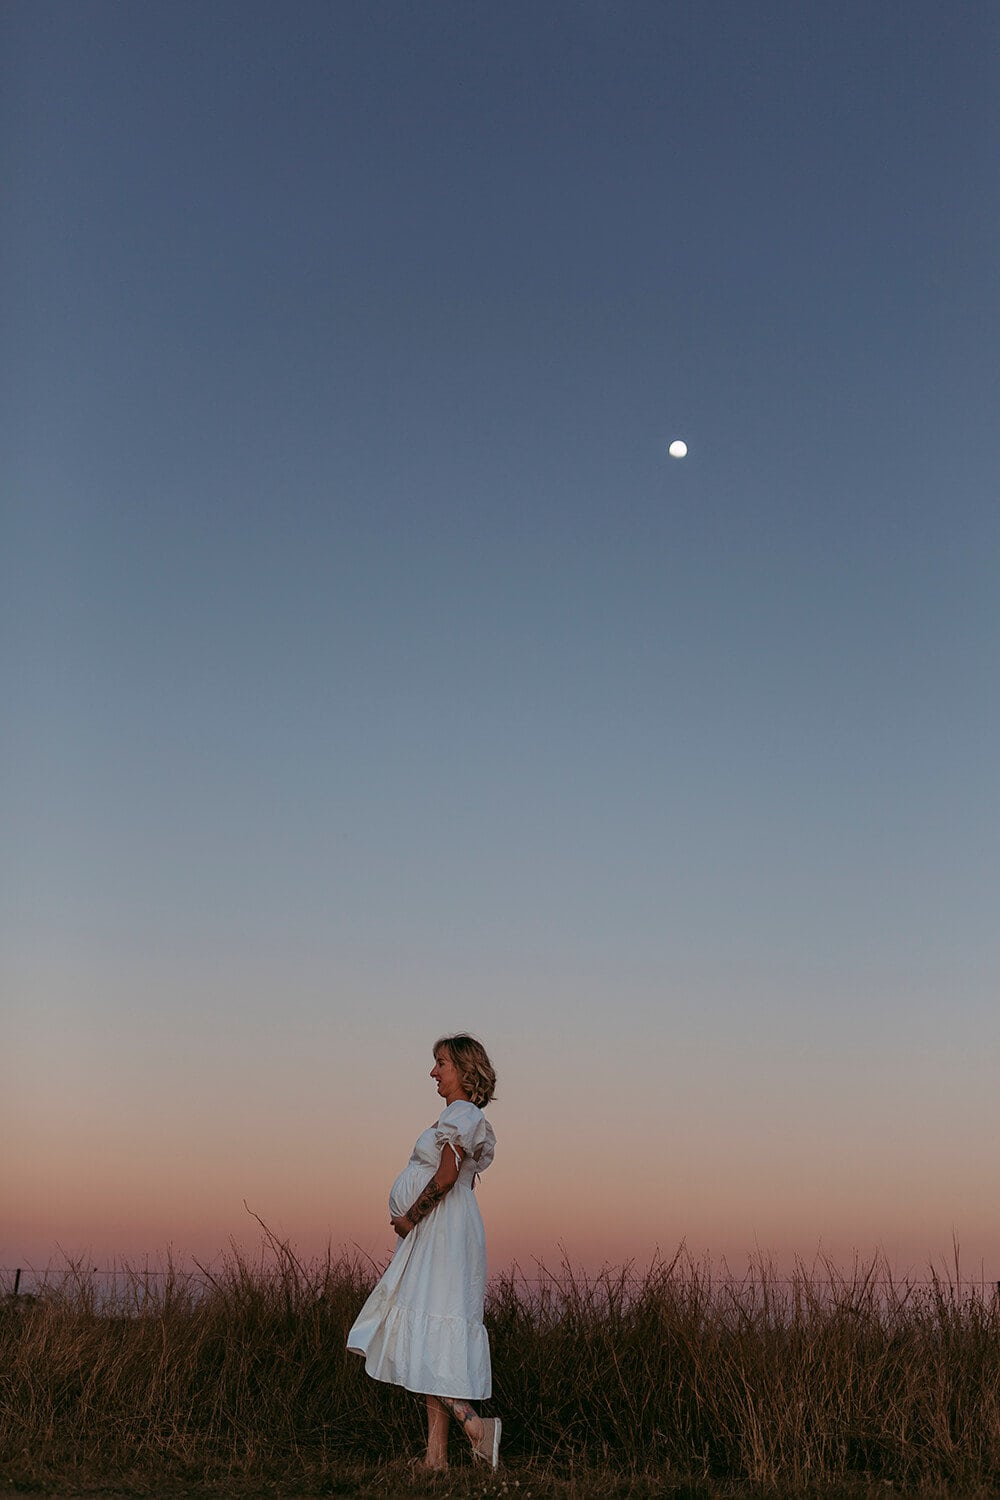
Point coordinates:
[(440, 1185)]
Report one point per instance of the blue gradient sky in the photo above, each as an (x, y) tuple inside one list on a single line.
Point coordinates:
[(369, 670)]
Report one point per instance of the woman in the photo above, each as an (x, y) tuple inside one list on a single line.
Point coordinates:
[(422, 1326)]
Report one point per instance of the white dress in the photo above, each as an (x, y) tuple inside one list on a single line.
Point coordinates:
[(422, 1326)]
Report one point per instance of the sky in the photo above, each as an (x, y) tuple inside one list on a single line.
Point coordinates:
[(371, 672)]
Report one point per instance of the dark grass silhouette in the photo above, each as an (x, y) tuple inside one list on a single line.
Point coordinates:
[(669, 1381)]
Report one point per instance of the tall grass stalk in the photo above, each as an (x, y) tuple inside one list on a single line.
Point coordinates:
[(820, 1380)]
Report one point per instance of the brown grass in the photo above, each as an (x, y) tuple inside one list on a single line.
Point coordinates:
[(669, 1382)]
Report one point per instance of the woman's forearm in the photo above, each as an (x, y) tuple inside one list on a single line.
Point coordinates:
[(428, 1200)]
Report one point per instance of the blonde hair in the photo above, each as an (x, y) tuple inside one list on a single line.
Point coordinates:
[(474, 1067)]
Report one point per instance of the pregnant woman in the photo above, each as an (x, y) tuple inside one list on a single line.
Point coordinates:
[(422, 1326)]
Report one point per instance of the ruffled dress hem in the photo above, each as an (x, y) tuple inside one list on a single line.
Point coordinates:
[(397, 1354)]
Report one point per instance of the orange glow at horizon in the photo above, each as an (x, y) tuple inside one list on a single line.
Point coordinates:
[(607, 1152), (113, 1206)]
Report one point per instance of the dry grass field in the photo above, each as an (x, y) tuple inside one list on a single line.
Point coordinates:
[(670, 1382)]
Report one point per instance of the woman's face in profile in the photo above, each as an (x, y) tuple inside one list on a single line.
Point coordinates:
[(444, 1071)]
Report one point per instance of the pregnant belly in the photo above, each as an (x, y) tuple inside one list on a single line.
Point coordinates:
[(408, 1187)]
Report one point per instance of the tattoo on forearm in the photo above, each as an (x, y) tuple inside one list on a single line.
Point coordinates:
[(429, 1198)]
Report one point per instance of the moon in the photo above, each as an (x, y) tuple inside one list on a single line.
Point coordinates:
[(678, 449)]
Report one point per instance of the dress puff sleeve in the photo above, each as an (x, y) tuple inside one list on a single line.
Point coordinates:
[(464, 1124)]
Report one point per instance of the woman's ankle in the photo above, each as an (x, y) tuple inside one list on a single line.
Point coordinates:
[(473, 1427)]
